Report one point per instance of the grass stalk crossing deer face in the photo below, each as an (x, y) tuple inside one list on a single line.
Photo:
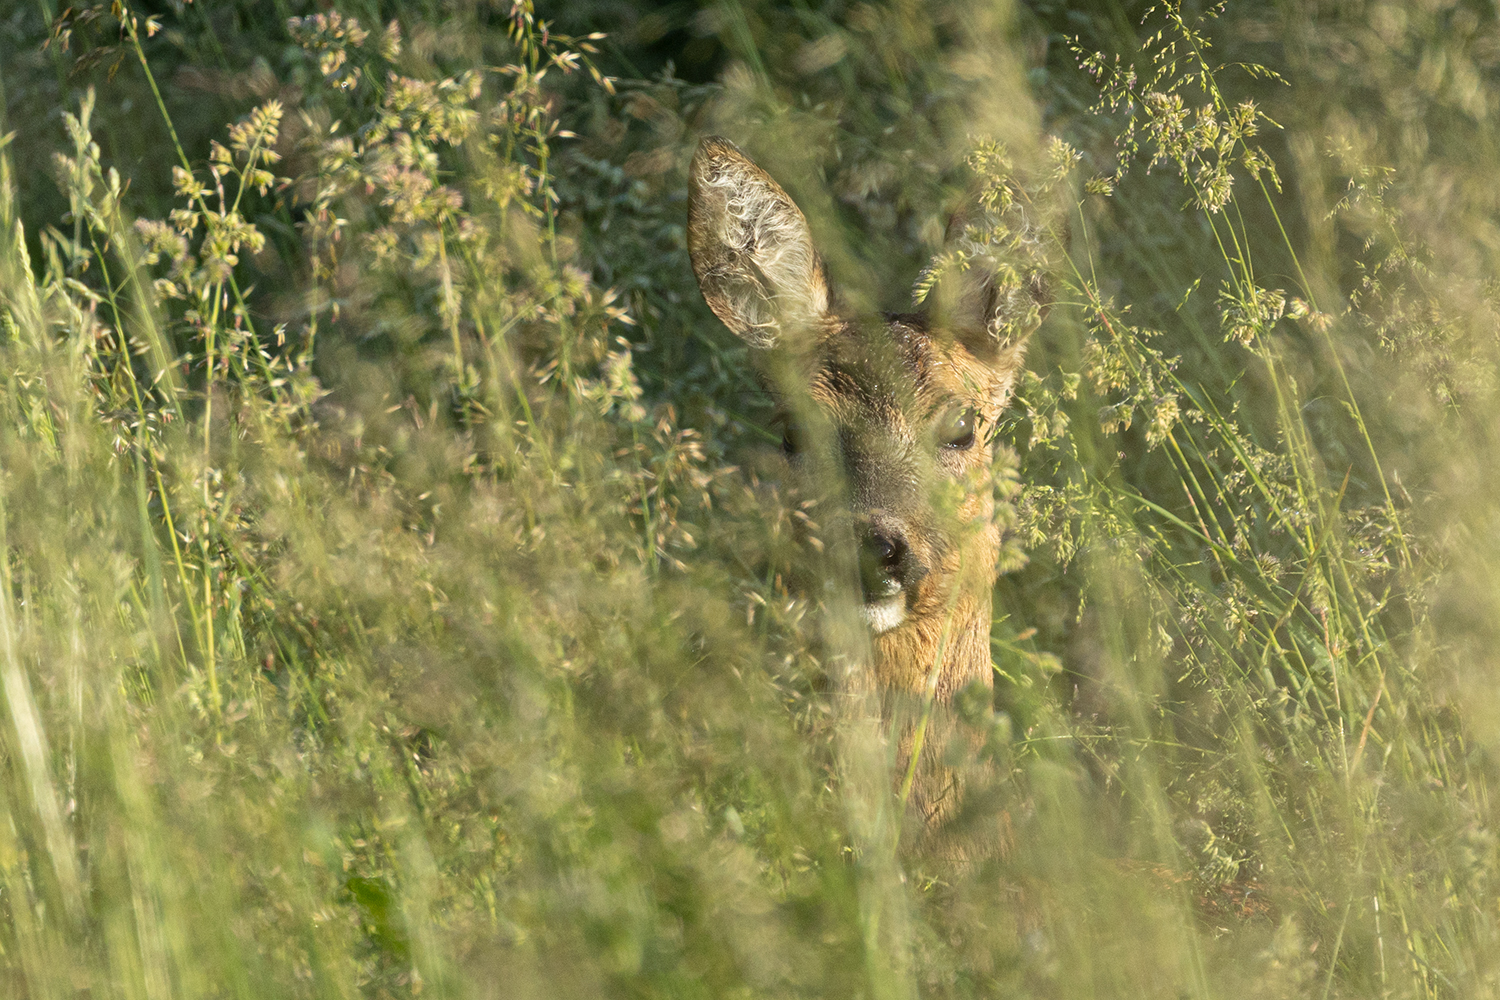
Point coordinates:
[(896, 412)]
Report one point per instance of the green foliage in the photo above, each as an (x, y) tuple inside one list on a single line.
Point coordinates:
[(401, 595)]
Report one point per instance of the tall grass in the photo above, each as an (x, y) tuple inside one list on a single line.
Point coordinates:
[(402, 596)]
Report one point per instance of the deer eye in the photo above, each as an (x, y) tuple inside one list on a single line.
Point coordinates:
[(791, 439), (956, 431)]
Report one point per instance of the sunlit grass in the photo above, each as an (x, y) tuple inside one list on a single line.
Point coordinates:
[(400, 596)]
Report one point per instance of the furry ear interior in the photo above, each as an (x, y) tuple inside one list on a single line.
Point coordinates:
[(751, 249), (990, 294), (989, 305)]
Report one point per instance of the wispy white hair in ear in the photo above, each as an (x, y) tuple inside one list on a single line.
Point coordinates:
[(751, 248)]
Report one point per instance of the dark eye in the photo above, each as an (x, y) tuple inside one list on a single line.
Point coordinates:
[(791, 439), (956, 430)]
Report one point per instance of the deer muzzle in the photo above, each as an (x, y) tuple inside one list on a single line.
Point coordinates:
[(889, 573)]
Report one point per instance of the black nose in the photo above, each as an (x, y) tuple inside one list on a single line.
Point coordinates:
[(882, 558)]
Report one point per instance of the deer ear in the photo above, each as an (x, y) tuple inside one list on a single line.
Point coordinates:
[(988, 297), (751, 248)]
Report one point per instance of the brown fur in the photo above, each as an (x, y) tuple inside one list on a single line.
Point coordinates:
[(885, 391)]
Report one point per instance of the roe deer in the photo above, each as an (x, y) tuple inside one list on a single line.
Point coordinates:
[(905, 404)]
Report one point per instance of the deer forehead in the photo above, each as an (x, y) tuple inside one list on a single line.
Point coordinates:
[(896, 378)]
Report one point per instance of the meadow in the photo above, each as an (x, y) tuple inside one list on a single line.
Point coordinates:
[(402, 591)]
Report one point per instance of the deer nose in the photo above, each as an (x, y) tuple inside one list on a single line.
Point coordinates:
[(885, 564)]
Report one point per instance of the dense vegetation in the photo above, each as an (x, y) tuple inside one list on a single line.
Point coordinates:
[(401, 593)]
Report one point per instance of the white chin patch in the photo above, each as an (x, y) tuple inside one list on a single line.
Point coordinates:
[(882, 616)]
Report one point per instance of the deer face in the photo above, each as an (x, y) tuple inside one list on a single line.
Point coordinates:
[(906, 421), (893, 413)]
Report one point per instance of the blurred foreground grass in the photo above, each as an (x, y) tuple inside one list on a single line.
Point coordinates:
[(400, 595)]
